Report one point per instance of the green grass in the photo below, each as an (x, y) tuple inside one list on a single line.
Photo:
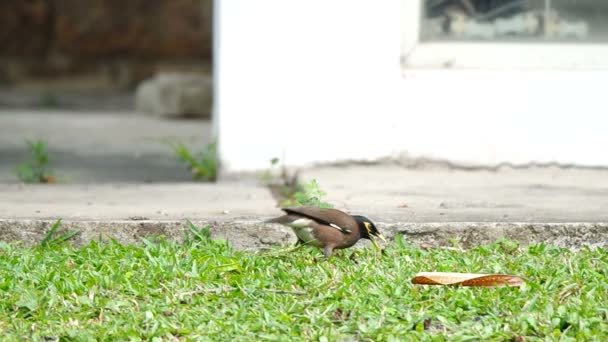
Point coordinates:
[(203, 290)]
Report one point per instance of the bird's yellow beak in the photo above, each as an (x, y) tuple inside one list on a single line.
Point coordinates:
[(375, 243)]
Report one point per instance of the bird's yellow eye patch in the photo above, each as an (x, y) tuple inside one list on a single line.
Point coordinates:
[(368, 226)]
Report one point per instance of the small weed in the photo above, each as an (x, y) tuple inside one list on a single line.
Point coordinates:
[(50, 239), (202, 166), (309, 194), (34, 169), (289, 191)]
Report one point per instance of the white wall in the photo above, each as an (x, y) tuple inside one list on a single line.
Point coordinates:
[(320, 80)]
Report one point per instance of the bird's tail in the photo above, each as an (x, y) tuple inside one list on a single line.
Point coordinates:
[(285, 219)]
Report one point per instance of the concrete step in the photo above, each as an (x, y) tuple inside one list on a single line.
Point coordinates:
[(564, 206)]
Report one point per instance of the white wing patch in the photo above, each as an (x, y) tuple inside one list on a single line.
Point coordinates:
[(339, 228)]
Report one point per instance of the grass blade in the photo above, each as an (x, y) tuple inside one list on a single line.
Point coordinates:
[(49, 235)]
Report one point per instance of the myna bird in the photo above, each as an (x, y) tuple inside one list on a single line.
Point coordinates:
[(328, 228)]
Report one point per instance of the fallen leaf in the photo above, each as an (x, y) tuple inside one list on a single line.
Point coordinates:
[(466, 279)]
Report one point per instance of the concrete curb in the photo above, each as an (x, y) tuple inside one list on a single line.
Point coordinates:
[(252, 234), (469, 234)]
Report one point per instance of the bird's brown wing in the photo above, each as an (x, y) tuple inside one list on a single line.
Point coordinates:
[(330, 217)]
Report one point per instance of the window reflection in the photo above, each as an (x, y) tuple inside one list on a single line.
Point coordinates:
[(515, 20)]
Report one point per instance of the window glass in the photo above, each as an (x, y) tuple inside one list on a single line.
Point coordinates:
[(515, 20)]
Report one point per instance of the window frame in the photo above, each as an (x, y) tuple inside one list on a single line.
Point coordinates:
[(416, 54)]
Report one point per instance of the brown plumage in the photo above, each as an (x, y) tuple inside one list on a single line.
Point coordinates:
[(327, 228)]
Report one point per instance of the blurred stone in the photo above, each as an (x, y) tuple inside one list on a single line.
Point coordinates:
[(176, 95), (24, 28), (96, 29)]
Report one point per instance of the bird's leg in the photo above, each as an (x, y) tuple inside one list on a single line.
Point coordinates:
[(353, 257), (327, 251), (299, 242)]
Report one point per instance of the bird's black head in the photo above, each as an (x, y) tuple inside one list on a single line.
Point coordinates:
[(368, 230)]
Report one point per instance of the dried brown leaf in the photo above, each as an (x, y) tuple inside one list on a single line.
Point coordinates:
[(466, 279)]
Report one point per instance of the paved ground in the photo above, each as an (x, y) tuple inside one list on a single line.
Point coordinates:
[(386, 193), (122, 182), (444, 195), (100, 147)]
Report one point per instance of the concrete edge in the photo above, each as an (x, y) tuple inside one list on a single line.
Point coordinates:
[(249, 234)]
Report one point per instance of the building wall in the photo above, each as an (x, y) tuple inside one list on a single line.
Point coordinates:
[(113, 41), (314, 81)]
